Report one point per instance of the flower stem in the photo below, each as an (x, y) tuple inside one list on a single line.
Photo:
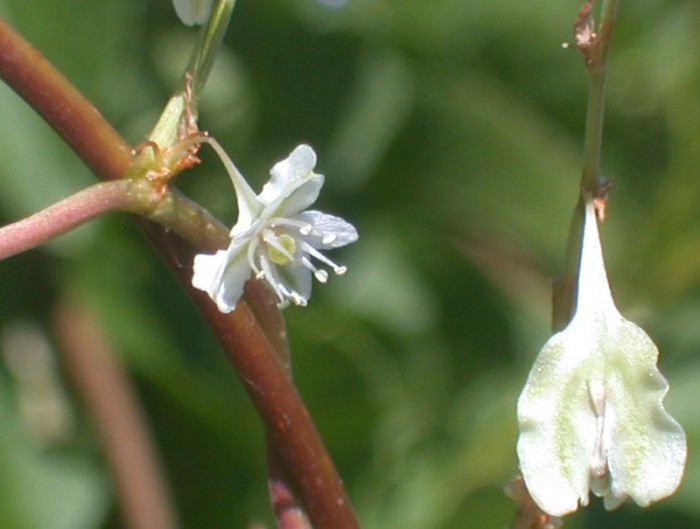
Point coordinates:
[(597, 69), (210, 40), (595, 49), (190, 221)]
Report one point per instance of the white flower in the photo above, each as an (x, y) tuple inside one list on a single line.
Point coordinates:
[(275, 238), (193, 12), (591, 415)]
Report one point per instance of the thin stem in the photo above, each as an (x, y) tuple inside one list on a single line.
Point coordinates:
[(594, 132), (289, 512), (115, 412), (597, 69), (210, 40), (63, 216), (171, 209), (595, 47)]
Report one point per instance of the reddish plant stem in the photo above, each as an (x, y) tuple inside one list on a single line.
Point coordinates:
[(63, 216), (264, 307), (113, 406), (289, 512), (290, 428)]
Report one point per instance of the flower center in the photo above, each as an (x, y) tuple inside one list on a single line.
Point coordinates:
[(280, 248)]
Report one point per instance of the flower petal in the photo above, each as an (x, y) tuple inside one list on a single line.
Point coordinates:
[(325, 226), (289, 175), (223, 275), (249, 208), (557, 425), (193, 12), (647, 447), (297, 200)]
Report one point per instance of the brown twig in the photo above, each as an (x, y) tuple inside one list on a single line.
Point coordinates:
[(114, 409)]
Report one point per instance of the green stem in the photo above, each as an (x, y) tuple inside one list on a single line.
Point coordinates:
[(592, 181), (597, 69), (210, 41), (190, 221), (595, 115)]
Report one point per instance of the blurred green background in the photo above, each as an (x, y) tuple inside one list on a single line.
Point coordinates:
[(450, 133)]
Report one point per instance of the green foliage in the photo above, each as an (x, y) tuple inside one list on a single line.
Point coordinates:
[(450, 134)]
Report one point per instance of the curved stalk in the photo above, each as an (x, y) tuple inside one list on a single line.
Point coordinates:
[(63, 216)]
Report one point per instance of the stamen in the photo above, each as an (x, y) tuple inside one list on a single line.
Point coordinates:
[(304, 228), (283, 292), (337, 269), (329, 238), (321, 275), (252, 250), (271, 278), (298, 299)]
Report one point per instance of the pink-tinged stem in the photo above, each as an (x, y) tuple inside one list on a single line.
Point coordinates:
[(63, 216), (289, 513)]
